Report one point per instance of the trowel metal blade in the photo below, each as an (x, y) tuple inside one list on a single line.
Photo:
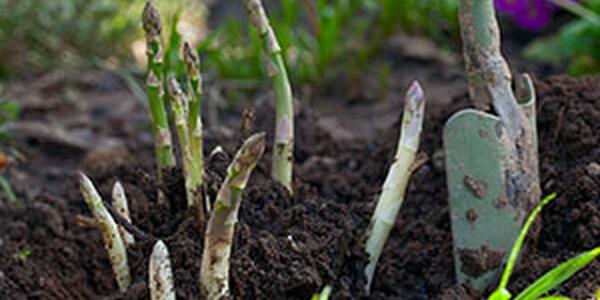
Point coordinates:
[(484, 223)]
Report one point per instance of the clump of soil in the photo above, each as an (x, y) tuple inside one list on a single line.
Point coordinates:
[(289, 247)]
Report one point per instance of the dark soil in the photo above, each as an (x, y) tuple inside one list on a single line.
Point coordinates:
[(289, 247)]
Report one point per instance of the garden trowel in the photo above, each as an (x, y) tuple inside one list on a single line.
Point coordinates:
[(491, 181)]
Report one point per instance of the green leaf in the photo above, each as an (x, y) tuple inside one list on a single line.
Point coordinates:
[(8, 191), (9, 111), (22, 254), (173, 65), (324, 295), (538, 51), (558, 275), (514, 253)]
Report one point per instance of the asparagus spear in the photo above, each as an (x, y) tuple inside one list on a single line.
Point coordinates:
[(113, 242), (396, 181), (192, 62), (179, 107), (214, 272), (119, 202), (160, 273), (283, 149), (160, 122)]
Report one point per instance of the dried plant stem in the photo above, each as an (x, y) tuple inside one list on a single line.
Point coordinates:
[(283, 149), (396, 182), (113, 242), (195, 125), (160, 122), (160, 273), (119, 203), (214, 273)]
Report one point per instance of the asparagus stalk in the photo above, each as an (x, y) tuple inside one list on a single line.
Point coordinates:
[(179, 107), (396, 181), (113, 242), (283, 149), (158, 114), (160, 273), (192, 62), (119, 203), (214, 272)]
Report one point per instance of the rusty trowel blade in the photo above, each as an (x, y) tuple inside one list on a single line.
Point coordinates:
[(484, 223)]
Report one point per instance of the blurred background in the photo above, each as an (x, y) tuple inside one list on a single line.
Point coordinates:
[(60, 58)]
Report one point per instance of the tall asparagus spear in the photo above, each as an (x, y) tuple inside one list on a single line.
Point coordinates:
[(113, 242), (214, 272), (396, 181), (119, 202), (192, 62), (179, 107), (283, 149), (160, 122), (160, 273)]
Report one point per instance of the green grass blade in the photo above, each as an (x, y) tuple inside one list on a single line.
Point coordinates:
[(520, 239), (558, 275), (324, 295), (501, 293), (8, 191)]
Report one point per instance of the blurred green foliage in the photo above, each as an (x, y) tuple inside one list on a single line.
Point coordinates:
[(577, 44), (234, 49), (9, 111), (323, 39), (43, 35), (39, 35), (437, 19)]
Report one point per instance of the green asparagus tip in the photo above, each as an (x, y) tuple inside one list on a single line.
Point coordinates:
[(151, 20), (192, 62), (174, 89), (258, 17), (252, 149)]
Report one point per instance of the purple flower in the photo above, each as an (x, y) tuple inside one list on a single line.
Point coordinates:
[(534, 17), (530, 15), (510, 7)]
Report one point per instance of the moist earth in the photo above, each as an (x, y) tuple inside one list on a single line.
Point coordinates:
[(290, 246)]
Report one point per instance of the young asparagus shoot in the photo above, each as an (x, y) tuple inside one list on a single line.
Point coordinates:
[(156, 103), (214, 272), (119, 203), (179, 107), (160, 273), (113, 242), (283, 149), (396, 181), (192, 62)]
